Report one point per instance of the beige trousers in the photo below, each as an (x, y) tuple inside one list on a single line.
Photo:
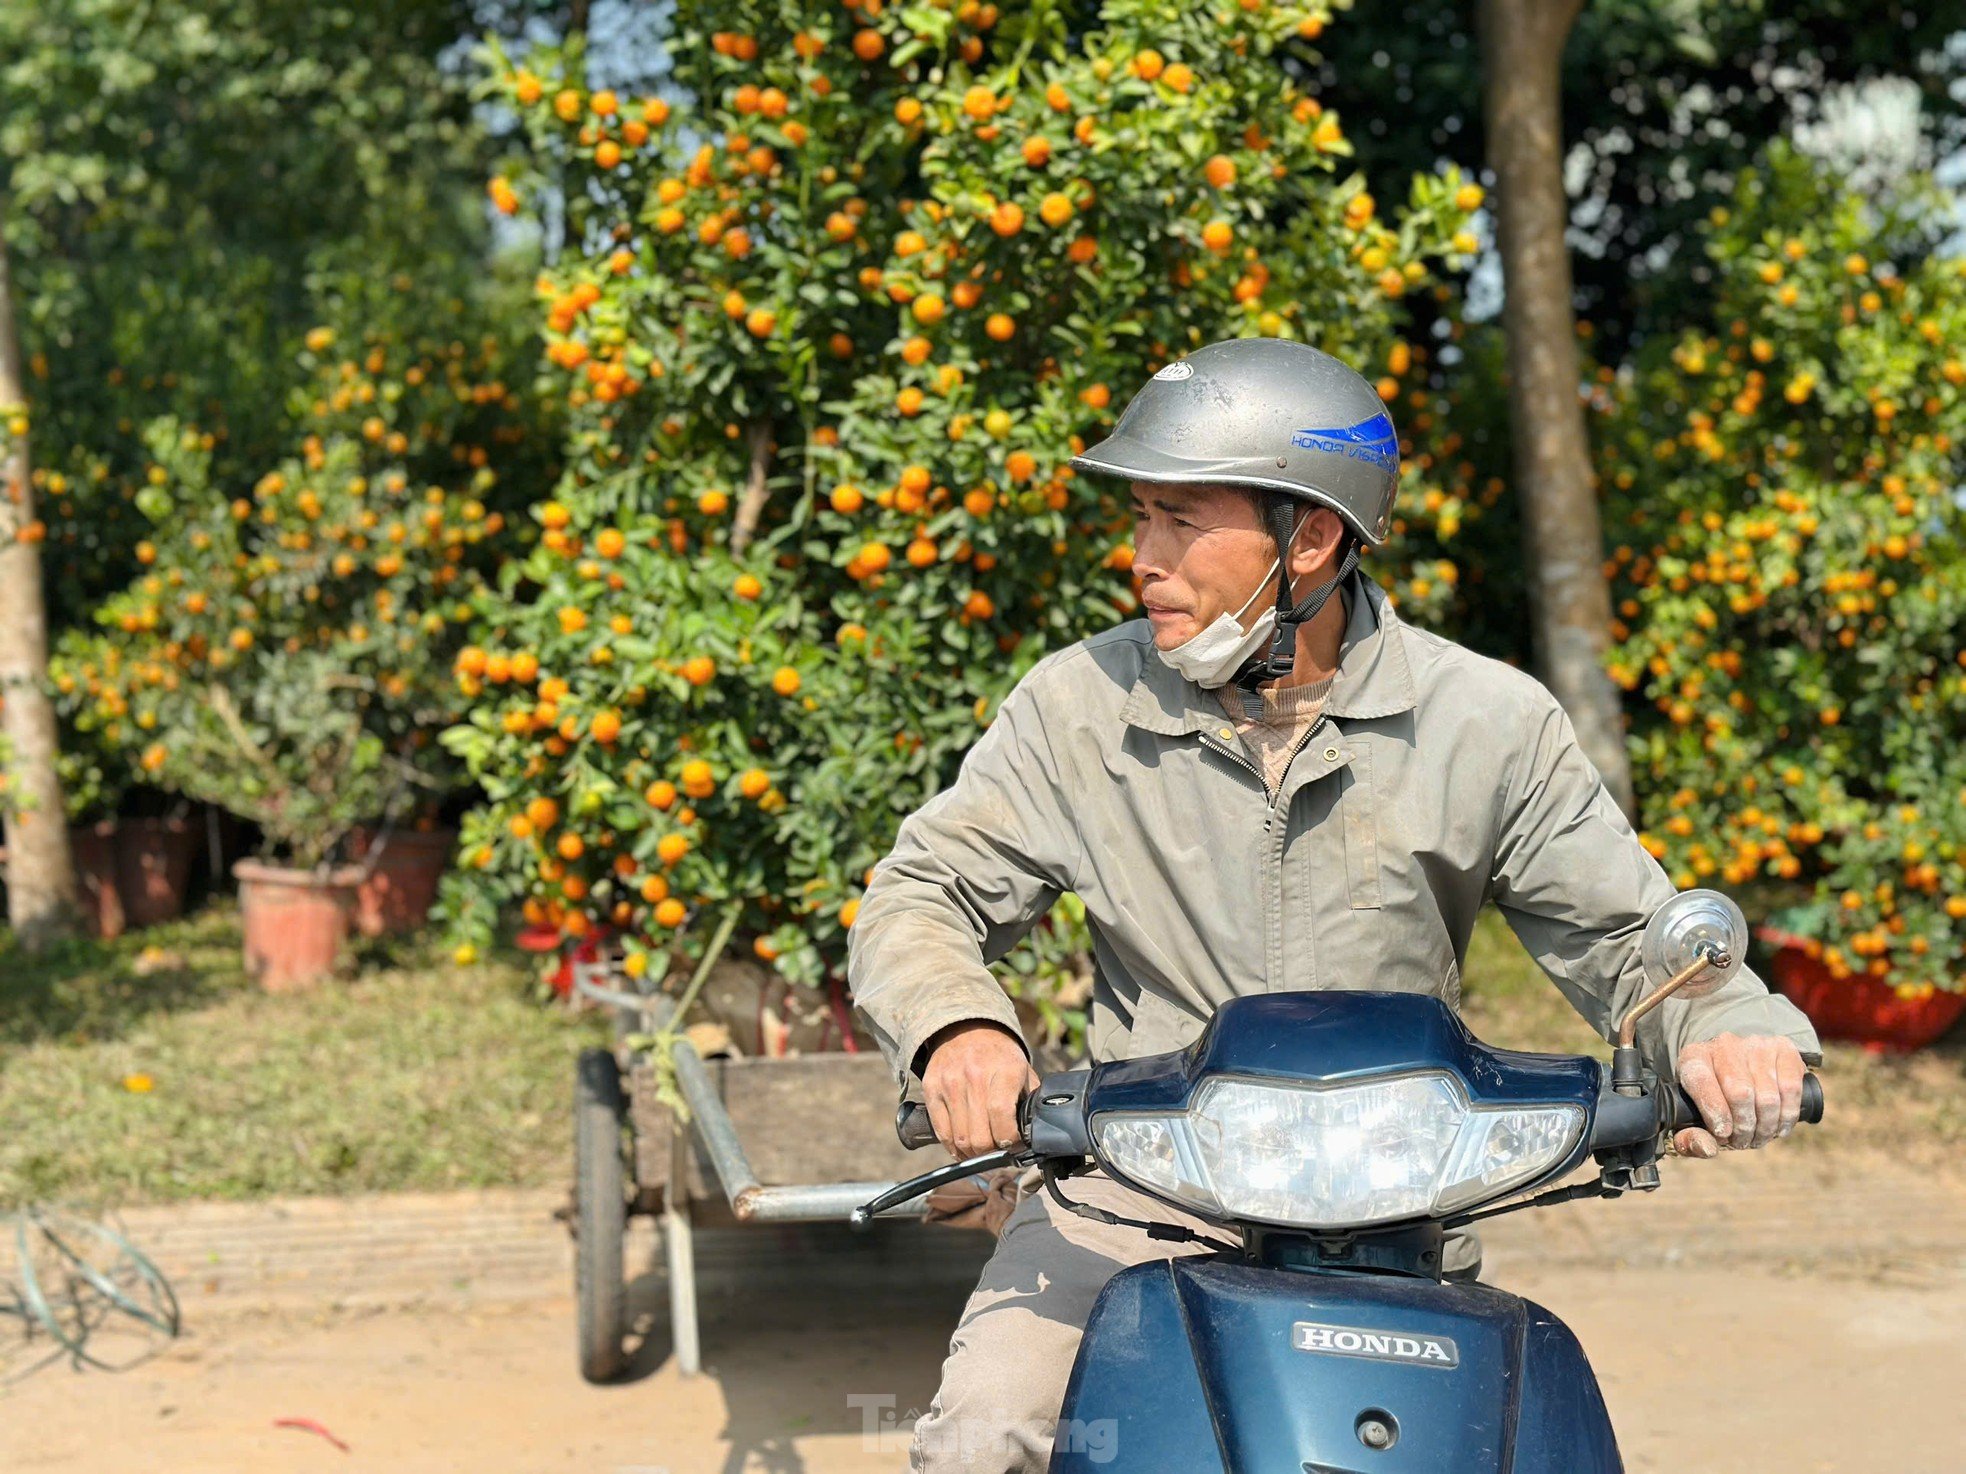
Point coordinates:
[(1003, 1382), (1011, 1355)]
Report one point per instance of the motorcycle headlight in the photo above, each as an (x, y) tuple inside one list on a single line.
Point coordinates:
[(1337, 1156)]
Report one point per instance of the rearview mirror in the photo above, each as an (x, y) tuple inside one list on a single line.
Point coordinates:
[(1695, 926)]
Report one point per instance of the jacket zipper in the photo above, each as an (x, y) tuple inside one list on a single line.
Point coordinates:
[(1302, 743), (1214, 745), (1273, 830), (1237, 757)]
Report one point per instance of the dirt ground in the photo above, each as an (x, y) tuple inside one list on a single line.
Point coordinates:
[(1705, 1369)]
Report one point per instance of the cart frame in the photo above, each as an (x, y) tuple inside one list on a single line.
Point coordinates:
[(711, 1129)]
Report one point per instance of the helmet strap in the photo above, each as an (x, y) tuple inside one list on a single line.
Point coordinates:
[(1282, 656)]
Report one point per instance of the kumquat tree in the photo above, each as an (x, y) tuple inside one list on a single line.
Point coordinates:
[(286, 653), (832, 317), (1785, 493)]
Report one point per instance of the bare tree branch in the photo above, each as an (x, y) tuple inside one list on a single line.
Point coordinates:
[(757, 488), (228, 714)]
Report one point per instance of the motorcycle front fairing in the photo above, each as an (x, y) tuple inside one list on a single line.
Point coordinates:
[(1304, 1356), (1215, 1366)]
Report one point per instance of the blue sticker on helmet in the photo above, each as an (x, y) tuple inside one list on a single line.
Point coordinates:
[(1370, 439)]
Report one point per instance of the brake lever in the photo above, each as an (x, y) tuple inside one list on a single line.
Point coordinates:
[(928, 1182)]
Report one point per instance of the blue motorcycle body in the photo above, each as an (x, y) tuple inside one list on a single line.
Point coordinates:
[(1216, 1366), (1280, 1363), (1328, 1341)]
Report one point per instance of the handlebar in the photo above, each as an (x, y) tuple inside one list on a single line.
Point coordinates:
[(1675, 1107), (1677, 1110), (916, 1130), (912, 1125), (1052, 1127)]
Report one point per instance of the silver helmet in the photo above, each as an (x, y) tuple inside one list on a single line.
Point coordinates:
[(1264, 413)]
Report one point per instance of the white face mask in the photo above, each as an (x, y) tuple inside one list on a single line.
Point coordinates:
[(1212, 658)]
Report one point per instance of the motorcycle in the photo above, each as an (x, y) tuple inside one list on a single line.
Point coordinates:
[(1340, 1135)]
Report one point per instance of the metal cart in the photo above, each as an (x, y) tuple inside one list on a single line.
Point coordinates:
[(767, 1141)]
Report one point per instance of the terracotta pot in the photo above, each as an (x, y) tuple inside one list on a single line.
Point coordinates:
[(398, 893), (1859, 1008), (94, 849), (153, 867), (295, 921)]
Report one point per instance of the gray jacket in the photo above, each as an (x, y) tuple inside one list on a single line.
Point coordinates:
[(1436, 780)]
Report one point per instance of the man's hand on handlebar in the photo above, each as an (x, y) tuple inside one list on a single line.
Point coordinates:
[(975, 1075), (1749, 1091)]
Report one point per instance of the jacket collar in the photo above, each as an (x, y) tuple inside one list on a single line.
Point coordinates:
[(1373, 678)]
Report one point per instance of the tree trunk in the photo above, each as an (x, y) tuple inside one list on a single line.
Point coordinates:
[(41, 891), (577, 30), (1570, 600)]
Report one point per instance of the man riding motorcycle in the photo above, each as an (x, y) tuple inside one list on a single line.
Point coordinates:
[(1270, 783)]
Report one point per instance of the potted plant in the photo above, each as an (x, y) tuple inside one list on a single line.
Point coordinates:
[(401, 866), (280, 739), (92, 796), (286, 655), (154, 858), (1855, 1006), (287, 748), (134, 844)]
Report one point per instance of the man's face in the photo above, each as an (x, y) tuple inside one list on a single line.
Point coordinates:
[(1199, 551)]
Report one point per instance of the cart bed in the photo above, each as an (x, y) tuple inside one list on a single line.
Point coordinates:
[(806, 1120)]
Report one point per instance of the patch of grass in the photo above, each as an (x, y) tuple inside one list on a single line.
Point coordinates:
[(414, 1074), (85, 991)]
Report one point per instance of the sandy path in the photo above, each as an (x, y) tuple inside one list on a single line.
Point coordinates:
[(1705, 1370)]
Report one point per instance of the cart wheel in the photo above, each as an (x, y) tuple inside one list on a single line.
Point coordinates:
[(600, 1215)]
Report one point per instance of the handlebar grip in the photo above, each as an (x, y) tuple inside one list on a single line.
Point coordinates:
[(912, 1125), (916, 1130), (1685, 1113)]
